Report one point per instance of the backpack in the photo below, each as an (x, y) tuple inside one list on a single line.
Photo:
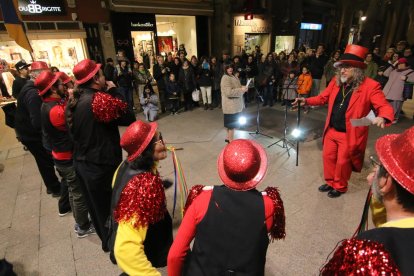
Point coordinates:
[(10, 113)]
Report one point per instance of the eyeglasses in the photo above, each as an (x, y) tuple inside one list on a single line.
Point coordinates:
[(374, 162), (160, 140)]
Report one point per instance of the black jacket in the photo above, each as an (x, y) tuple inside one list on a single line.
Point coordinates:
[(317, 65), (95, 141), (205, 77), (109, 72), (18, 84), (27, 120), (187, 80), (172, 87), (159, 76)]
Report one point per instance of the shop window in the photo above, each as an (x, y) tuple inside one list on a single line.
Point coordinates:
[(47, 26)]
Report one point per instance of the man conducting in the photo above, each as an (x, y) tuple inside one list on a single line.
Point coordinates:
[(350, 95)]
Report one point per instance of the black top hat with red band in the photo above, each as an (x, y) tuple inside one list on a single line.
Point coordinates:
[(353, 56)]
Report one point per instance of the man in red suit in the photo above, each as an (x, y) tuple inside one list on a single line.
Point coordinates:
[(350, 95)]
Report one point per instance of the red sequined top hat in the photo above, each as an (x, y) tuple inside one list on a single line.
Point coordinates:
[(39, 65), (44, 81), (85, 70), (396, 153), (242, 165), (63, 77), (137, 137), (354, 56)]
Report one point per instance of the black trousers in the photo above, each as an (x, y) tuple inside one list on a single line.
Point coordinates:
[(45, 165), (96, 180)]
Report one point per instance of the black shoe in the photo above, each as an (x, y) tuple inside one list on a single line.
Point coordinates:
[(325, 188), (334, 193), (227, 141)]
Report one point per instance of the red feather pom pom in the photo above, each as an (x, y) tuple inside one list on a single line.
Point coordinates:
[(142, 199), (361, 257), (107, 108), (194, 192), (279, 221)]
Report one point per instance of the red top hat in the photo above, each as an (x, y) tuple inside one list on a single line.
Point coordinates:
[(137, 137), (354, 56), (39, 65), (396, 153), (44, 81), (63, 77), (242, 165), (85, 70)]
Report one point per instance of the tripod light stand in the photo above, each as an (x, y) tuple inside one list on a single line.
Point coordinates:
[(259, 99), (286, 144)]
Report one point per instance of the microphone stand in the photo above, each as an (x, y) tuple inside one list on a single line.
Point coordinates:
[(259, 99), (286, 144)]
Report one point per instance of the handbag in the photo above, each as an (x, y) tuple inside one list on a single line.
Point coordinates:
[(196, 95), (10, 113)]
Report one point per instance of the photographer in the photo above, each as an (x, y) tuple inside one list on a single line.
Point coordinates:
[(149, 103)]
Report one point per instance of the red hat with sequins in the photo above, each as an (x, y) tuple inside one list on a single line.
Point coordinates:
[(396, 153), (85, 70), (63, 77), (39, 65), (44, 81), (137, 137), (354, 56), (242, 164)]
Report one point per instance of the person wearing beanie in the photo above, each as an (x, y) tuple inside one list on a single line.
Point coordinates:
[(386, 250), (230, 224), (93, 116), (350, 95), (142, 226)]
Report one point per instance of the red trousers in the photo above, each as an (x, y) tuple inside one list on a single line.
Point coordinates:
[(337, 166)]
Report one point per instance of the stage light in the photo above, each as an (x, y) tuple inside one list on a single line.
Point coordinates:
[(242, 120), (296, 133)]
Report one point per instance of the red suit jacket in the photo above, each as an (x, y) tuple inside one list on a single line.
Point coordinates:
[(366, 97)]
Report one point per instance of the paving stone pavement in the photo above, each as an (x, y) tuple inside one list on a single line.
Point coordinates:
[(39, 242)]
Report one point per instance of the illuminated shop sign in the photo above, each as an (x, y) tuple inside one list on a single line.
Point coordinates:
[(42, 7), (311, 26)]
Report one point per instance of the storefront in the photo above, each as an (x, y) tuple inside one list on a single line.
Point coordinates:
[(63, 50), (54, 34), (247, 34), (143, 36)]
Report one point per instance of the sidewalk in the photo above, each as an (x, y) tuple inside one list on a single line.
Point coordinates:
[(39, 242)]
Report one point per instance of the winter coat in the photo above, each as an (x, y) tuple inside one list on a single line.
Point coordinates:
[(304, 84), (231, 94), (172, 87), (371, 70), (251, 70), (142, 78), (205, 78), (317, 65), (366, 97), (159, 76), (187, 80), (393, 90), (330, 70), (217, 70), (123, 76)]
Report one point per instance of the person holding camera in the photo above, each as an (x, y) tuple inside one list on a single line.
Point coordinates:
[(149, 103)]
